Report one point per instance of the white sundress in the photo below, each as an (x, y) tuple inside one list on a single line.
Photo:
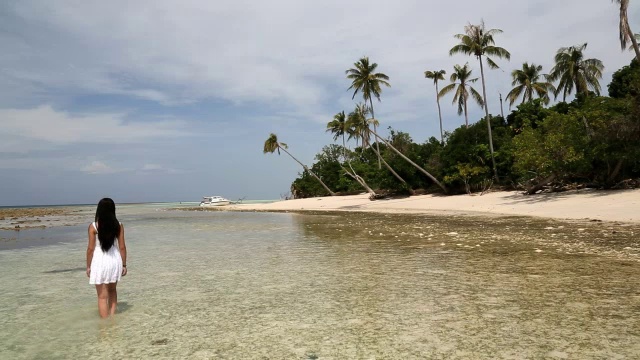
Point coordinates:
[(106, 267)]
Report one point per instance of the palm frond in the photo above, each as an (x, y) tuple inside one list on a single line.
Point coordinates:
[(271, 144), (460, 49), (575, 72), (365, 80), (476, 96), (445, 90), (497, 51), (514, 94), (492, 64)]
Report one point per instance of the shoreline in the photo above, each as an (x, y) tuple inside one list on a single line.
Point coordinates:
[(586, 204)]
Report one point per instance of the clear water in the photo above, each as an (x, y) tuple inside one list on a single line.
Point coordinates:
[(222, 285)]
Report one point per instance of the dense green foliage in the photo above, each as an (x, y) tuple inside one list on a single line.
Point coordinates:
[(594, 141), (626, 81)]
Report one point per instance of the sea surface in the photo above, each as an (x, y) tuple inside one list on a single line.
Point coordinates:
[(224, 285)]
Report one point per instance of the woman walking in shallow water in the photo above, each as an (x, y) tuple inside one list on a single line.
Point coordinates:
[(106, 256)]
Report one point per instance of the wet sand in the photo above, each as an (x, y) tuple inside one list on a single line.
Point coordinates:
[(41, 217)]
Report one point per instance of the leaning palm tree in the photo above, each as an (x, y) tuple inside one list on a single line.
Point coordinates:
[(460, 83), (436, 76), (360, 126), (364, 79), (626, 35), (271, 145), (528, 83), (575, 72), (409, 160), (478, 41)]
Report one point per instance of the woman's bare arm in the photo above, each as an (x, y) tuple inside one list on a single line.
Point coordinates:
[(123, 249), (90, 247)]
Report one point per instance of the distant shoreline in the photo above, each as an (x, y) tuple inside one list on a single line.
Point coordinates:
[(586, 204)]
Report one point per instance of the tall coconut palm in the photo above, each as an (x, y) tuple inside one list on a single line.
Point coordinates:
[(461, 83), (364, 79), (575, 72), (358, 125), (626, 35), (528, 83), (338, 127), (437, 75), (478, 41), (272, 145)]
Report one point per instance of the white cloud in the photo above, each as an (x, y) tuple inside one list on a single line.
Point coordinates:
[(44, 126), (99, 168), (155, 168), (286, 54), (151, 167)]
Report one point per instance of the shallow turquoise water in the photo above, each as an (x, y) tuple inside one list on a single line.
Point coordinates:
[(285, 286)]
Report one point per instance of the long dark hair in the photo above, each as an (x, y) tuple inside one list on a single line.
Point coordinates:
[(108, 225)]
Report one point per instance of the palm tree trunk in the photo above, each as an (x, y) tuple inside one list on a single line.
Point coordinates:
[(355, 176), (439, 113), (375, 129), (535, 188), (486, 110), (360, 180), (309, 170), (615, 172), (466, 113), (344, 147), (389, 167), (634, 42), (410, 161)]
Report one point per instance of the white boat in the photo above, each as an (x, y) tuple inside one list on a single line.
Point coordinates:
[(208, 201)]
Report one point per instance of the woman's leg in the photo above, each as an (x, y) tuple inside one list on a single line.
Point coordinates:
[(103, 298), (113, 298)]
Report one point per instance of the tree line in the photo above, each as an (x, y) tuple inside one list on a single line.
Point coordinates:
[(592, 141)]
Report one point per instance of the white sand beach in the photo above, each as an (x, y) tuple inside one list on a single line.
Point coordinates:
[(618, 205)]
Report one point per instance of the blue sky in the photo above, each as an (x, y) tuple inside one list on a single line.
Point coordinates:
[(171, 101)]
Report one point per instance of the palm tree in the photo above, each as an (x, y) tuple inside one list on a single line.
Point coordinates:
[(271, 145), (626, 35), (339, 126), (575, 72), (528, 83), (478, 41), (436, 76), (460, 82), (358, 125), (364, 79)]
